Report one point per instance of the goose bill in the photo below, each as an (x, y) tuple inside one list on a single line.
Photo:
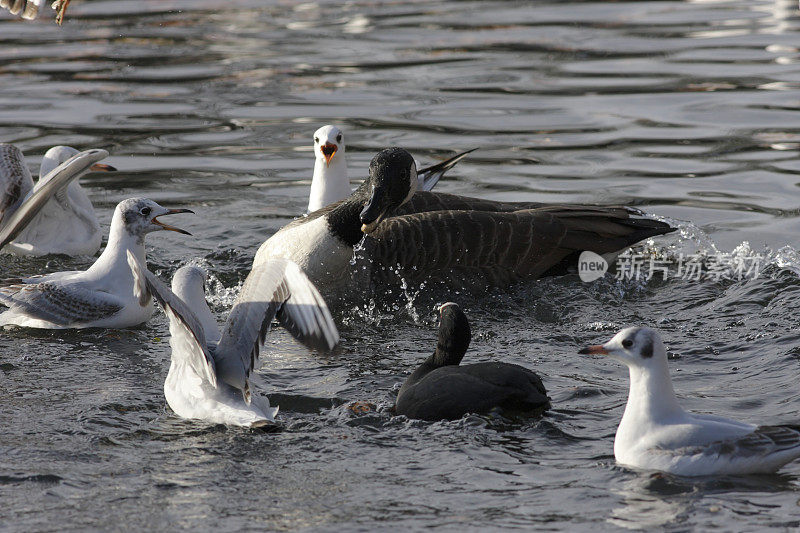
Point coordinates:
[(167, 227), (596, 349), (328, 150)]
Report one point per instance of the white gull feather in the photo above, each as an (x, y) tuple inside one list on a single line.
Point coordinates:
[(209, 375), (55, 216), (657, 433), (102, 295)]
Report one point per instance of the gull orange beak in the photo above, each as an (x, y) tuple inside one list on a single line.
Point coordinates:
[(328, 150), (157, 222), (101, 167), (595, 349)]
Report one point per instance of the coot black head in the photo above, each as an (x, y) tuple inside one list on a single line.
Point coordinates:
[(454, 335), (393, 180)]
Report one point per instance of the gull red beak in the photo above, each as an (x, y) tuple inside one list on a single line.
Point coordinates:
[(328, 150), (167, 227), (101, 167), (595, 349)]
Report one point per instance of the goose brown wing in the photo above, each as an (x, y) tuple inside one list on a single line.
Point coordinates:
[(506, 245)]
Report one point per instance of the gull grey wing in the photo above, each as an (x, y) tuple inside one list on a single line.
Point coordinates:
[(185, 328), (64, 305), (16, 181), (305, 314), (429, 176), (764, 440), (268, 287), (51, 184)]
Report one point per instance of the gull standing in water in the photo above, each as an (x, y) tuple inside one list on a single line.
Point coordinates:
[(103, 295), (29, 9), (331, 182), (209, 376), (657, 433), (56, 216)]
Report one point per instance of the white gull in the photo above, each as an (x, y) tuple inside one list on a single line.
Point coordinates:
[(55, 216), (102, 295), (657, 433), (209, 375)]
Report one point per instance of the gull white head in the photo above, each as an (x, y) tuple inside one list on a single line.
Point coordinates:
[(189, 284), (329, 144), (60, 154), (139, 216), (636, 347)]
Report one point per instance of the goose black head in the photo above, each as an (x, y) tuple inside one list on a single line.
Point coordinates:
[(454, 335), (392, 182)]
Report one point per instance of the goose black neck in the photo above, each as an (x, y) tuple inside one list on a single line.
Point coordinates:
[(454, 337), (344, 220)]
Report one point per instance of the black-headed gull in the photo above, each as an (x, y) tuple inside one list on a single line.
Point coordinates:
[(55, 216), (102, 295), (331, 183), (29, 9), (209, 376), (656, 433), (440, 389)]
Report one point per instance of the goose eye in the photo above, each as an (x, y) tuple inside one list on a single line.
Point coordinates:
[(627, 343), (339, 138), (316, 140), (145, 211)]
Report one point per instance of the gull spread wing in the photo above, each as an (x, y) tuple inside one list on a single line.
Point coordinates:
[(61, 304), (429, 176), (49, 186), (188, 338), (16, 181), (269, 287)]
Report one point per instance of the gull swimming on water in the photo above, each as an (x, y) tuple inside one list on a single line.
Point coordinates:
[(331, 183), (29, 9), (103, 295), (55, 216), (209, 376), (657, 433)]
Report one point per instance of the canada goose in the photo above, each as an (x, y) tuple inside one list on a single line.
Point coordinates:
[(209, 373), (440, 389), (431, 234), (657, 433), (54, 217), (331, 183), (101, 296)]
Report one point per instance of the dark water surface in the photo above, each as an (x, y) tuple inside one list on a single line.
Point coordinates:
[(686, 109)]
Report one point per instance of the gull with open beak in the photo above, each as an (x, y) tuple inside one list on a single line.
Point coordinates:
[(55, 216), (656, 433), (102, 296)]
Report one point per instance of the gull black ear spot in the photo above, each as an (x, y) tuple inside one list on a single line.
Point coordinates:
[(647, 349)]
